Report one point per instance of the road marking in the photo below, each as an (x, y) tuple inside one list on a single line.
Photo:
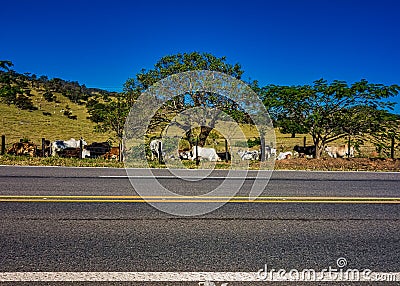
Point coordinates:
[(183, 177), (182, 276), (197, 199)]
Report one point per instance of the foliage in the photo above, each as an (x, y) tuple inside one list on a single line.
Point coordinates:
[(179, 63), (110, 115), (13, 88), (50, 97), (332, 111)]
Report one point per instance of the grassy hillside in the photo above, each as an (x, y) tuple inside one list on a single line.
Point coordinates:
[(34, 125)]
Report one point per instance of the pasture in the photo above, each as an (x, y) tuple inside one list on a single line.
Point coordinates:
[(50, 122), (34, 125)]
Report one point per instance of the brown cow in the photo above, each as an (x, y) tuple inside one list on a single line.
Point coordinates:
[(23, 148), (112, 154), (339, 151)]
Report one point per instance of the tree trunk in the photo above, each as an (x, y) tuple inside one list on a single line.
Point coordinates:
[(318, 151), (318, 148), (204, 132)]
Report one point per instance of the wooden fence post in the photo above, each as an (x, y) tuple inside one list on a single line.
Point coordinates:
[(197, 151), (80, 148), (43, 146), (262, 143), (120, 155), (226, 151), (304, 141), (3, 144), (160, 152), (348, 147)]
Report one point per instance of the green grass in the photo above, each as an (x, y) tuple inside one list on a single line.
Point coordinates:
[(33, 125), (17, 124), (57, 161)]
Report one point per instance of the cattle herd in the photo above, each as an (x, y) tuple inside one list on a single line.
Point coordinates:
[(80, 149), (68, 149), (210, 154)]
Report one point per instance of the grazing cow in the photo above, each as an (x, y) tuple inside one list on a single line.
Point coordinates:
[(98, 149), (60, 145), (74, 153), (185, 155), (269, 152), (305, 151), (222, 156), (284, 155), (86, 153), (249, 155), (23, 148), (339, 151), (205, 153), (112, 154), (155, 149)]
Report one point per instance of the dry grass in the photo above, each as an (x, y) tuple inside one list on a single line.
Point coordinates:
[(33, 125)]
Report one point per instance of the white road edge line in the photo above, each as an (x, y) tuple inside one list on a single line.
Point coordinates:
[(183, 177), (187, 276)]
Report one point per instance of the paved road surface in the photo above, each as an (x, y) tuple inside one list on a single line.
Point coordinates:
[(239, 237)]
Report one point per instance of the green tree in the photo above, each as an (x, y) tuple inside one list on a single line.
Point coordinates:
[(179, 63), (110, 113), (337, 110), (13, 87), (273, 98)]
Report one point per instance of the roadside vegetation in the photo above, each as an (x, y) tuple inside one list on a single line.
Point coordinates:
[(326, 113)]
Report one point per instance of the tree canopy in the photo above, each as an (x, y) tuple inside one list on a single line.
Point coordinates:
[(332, 111), (179, 63)]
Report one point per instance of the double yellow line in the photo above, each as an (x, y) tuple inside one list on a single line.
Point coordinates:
[(197, 199)]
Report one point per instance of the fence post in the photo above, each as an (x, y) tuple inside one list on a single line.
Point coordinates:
[(43, 146), (159, 152), (197, 151), (348, 147), (392, 148), (120, 155), (226, 151), (80, 148), (262, 142), (3, 144), (304, 141)]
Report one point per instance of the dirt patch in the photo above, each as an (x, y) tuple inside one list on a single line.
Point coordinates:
[(331, 164)]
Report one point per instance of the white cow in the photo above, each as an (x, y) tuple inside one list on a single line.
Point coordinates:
[(185, 155), (249, 155), (284, 155), (269, 152), (205, 153), (155, 149), (85, 153), (339, 151), (60, 145)]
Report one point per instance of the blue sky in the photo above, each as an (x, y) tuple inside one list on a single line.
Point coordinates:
[(289, 42)]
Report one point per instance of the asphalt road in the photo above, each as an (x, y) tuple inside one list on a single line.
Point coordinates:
[(238, 237)]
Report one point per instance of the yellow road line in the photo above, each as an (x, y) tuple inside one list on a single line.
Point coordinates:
[(190, 197), (198, 199)]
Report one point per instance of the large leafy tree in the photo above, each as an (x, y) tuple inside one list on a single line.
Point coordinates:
[(178, 63), (333, 111)]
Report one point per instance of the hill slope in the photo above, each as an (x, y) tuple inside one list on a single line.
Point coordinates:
[(34, 125)]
